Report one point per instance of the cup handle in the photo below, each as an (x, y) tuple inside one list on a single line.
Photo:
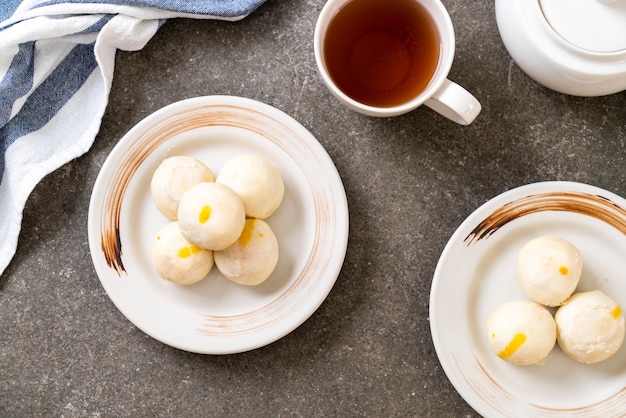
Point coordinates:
[(455, 103)]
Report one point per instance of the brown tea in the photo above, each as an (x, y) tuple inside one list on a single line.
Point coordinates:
[(382, 53)]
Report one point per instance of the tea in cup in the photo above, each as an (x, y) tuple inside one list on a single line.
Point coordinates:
[(388, 57)]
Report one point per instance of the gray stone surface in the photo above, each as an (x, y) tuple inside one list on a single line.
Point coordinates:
[(65, 349)]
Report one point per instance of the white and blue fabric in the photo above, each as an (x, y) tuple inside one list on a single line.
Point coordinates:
[(56, 67)]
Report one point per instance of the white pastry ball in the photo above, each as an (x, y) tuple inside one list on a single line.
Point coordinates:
[(173, 177), (521, 332), (549, 269), (590, 327), (257, 182), (211, 216), (177, 260), (253, 257)]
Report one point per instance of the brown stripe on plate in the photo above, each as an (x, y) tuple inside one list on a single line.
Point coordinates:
[(596, 206), (493, 394), (613, 406), (485, 386)]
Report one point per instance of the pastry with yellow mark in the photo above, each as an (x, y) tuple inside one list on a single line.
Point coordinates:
[(257, 182), (253, 257), (177, 260), (590, 327), (173, 177), (549, 269), (211, 216), (521, 332)]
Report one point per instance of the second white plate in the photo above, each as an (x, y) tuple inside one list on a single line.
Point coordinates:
[(477, 272)]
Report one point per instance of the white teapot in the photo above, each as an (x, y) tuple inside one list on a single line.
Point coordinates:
[(576, 47)]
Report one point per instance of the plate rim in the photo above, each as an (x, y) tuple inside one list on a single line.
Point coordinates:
[(332, 180)]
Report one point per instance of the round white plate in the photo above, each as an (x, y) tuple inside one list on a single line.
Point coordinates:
[(477, 272), (216, 316)]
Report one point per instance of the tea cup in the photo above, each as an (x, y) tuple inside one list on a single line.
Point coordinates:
[(387, 58)]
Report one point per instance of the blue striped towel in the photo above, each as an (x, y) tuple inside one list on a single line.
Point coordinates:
[(56, 68)]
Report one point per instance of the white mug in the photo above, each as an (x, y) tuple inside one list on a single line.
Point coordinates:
[(438, 92)]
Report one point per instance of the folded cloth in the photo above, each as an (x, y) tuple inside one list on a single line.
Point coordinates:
[(56, 68)]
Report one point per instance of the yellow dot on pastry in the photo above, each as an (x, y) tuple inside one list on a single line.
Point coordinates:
[(511, 348), (563, 270), (617, 312), (246, 235), (188, 251), (205, 214)]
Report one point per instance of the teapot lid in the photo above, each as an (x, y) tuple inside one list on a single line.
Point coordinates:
[(594, 25)]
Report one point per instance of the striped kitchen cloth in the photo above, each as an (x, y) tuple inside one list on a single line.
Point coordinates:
[(56, 66)]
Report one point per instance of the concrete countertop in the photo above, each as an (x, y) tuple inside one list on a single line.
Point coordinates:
[(66, 350)]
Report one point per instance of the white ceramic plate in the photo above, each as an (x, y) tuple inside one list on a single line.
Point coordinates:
[(216, 316), (477, 272)]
